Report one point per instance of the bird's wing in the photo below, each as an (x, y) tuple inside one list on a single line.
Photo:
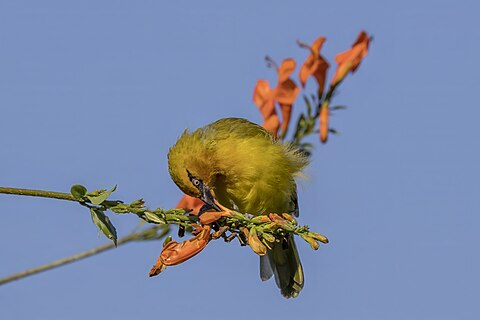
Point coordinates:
[(294, 197)]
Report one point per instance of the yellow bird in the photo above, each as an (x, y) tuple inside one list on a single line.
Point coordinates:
[(249, 171)]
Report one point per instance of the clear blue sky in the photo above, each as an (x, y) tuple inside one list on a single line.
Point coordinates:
[(95, 92)]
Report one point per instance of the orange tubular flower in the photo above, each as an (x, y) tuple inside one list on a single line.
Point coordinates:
[(174, 253), (188, 202), (324, 122), (348, 61), (264, 98), (315, 65), (177, 252), (212, 216), (286, 92)]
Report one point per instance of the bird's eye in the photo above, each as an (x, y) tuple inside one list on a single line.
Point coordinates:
[(195, 182)]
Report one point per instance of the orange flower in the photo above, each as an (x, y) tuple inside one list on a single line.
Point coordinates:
[(177, 252), (350, 60), (315, 65), (188, 202), (324, 112), (210, 217), (286, 92), (264, 98)]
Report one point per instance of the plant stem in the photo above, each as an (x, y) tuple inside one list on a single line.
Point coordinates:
[(38, 193), (82, 255)]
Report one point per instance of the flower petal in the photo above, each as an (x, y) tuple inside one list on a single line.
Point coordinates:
[(286, 110), (317, 45), (349, 60), (261, 92), (320, 74), (177, 252), (286, 69), (272, 124), (315, 65), (188, 202), (263, 97), (212, 216), (308, 67), (286, 92)]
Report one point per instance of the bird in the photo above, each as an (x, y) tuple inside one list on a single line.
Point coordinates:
[(250, 171)]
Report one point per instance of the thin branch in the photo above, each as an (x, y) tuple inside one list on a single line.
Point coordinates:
[(147, 234), (38, 193)]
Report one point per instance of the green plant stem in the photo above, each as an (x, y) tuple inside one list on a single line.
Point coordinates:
[(82, 255), (38, 193)]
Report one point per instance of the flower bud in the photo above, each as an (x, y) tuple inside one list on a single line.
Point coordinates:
[(311, 241), (290, 218), (268, 237), (260, 219), (212, 216), (318, 236)]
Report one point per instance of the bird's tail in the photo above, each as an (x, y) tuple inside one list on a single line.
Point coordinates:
[(283, 262)]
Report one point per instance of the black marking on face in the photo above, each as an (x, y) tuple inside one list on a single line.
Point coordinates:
[(195, 181), (205, 193)]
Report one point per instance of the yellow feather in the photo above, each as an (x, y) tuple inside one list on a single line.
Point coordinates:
[(241, 162)]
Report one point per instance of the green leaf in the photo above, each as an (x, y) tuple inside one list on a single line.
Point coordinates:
[(300, 128), (120, 208), (104, 224), (308, 104), (338, 108), (78, 191), (306, 145), (167, 240), (98, 196), (333, 131), (138, 204), (152, 217)]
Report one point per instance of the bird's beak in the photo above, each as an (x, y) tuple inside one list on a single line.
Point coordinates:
[(207, 197)]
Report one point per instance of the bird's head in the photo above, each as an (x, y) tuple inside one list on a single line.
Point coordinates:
[(191, 166)]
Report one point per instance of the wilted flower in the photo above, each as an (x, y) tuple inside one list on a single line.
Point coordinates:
[(254, 242)]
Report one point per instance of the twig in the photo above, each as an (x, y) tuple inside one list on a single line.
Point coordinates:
[(39, 193), (147, 234)]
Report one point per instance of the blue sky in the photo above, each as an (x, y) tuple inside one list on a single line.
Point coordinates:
[(95, 92)]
